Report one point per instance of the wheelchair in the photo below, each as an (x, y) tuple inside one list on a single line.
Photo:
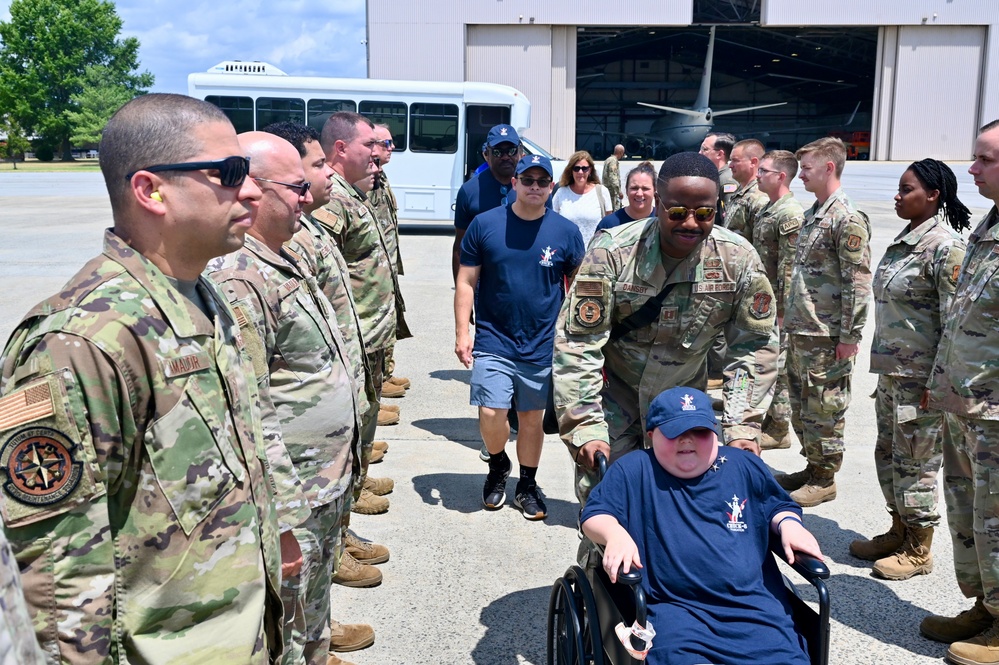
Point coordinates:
[(584, 607)]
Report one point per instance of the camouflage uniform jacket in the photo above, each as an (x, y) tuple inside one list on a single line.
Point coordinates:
[(743, 209), (308, 388), (387, 210), (775, 236), (324, 259), (136, 495), (831, 275), (913, 286), (611, 178), (18, 645), (965, 377), (728, 187), (355, 230), (720, 287)]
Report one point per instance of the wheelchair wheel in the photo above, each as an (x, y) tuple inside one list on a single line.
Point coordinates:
[(573, 627)]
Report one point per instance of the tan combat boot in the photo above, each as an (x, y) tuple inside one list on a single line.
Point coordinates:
[(370, 504), (913, 558), (392, 390), (776, 436), (965, 625), (389, 407), (355, 574), (398, 381), (793, 481), (333, 659), (821, 487), (376, 456), (350, 636), (978, 650), (364, 551), (882, 544), (378, 486), (387, 417), (380, 445), (716, 384)]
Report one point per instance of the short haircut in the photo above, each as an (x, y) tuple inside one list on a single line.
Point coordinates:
[(341, 126), (151, 129), (828, 149), (784, 162), (688, 164), (752, 148), (724, 142), (566, 179), (297, 134), (645, 167), (989, 126)]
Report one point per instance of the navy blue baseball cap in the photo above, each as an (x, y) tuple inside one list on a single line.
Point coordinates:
[(680, 409), (535, 161), (502, 134)]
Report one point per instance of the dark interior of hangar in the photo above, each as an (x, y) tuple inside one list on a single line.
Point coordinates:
[(825, 76)]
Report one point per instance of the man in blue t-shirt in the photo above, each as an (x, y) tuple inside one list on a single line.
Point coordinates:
[(490, 189), (519, 255)]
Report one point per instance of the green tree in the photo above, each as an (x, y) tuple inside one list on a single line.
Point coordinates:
[(100, 98), (47, 47), (16, 143)]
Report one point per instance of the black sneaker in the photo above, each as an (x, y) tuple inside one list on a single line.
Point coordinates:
[(494, 491), (484, 453), (529, 501)]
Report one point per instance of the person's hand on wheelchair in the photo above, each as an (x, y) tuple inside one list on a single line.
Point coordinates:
[(620, 551), (794, 537)]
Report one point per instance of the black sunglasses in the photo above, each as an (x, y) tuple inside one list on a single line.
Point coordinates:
[(302, 187), (528, 181), (507, 152), (680, 213), (580, 169), (232, 170)]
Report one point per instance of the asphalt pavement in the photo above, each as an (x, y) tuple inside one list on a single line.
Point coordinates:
[(469, 586)]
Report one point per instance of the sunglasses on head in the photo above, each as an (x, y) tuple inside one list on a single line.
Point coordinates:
[(232, 170), (528, 181), (505, 152), (680, 213), (580, 169), (300, 187)]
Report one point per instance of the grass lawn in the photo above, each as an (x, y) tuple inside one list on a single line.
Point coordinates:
[(33, 165)]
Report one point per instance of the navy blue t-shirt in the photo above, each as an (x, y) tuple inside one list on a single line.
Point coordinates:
[(715, 593), (616, 218), (523, 264), (481, 193)]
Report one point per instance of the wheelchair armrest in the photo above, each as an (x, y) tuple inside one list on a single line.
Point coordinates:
[(630, 578), (805, 565)]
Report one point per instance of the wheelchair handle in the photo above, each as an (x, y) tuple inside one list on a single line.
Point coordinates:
[(601, 462), (630, 578)]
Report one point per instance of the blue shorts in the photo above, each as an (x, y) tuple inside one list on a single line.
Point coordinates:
[(497, 381)]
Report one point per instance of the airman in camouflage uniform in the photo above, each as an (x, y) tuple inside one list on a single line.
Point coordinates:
[(611, 176), (135, 490), (748, 201), (719, 287), (717, 146), (18, 645), (965, 384), (824, 316), (307, 389), (775, 237)]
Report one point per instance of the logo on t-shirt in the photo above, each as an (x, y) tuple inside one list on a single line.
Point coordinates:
[(735, 522), (547, 254)]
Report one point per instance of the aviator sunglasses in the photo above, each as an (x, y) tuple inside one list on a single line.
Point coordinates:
[(232, 170), (680, 213)]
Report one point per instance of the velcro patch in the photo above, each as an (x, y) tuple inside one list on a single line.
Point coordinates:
[(714, 275), (714, 287), (713, 262), (956, 273), (761, 304), (25, 406), (589, 313), (633, 288), (589, 287), (730, 188), (789, 225), (854, 242), (669, 314), (40, 466), (187, 364), (287, 288)]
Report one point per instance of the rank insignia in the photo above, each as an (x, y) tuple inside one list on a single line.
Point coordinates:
[(761, 305), (589, 313), (40, 466), (853, 242)]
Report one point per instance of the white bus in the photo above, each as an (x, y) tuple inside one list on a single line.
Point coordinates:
[(438, 127)]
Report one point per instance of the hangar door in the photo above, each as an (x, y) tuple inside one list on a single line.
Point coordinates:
[(937, 88)]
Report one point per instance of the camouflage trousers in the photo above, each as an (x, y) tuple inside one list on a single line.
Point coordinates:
[(908, 452), (388, 366), (819, 391), (780, 406), (306, 596), (971, 489)]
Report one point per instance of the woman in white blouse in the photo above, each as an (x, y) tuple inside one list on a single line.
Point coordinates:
[(580, 197)]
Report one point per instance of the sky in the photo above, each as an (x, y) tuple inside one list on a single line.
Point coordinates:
[(178, 37)]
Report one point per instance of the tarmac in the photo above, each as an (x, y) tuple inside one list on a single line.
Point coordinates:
[(465, 585)]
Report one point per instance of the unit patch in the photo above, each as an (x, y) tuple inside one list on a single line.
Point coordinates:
[(761, 305), (853, 242), (40, 466), (589, 312), (956, 273)]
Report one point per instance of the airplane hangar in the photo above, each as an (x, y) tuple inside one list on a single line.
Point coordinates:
[(904, 79)]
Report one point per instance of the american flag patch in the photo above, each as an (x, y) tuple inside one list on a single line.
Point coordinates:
[(589, 288), (25, 405)]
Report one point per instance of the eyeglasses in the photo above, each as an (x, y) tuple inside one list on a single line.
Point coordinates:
[(528, 181), (232, 170), (762, 171), (506, 152), (388, 143), (301, 187), (680, 213), (580, 169)]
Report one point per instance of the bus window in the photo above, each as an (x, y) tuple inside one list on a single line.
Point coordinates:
[(321, 109), (238, 109), (392, 114), (434, 127), (279, 109)]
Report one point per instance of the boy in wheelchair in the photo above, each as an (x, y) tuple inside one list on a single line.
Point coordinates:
[(698, 518)]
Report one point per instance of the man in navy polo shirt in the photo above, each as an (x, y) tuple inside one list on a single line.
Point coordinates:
[(490, 189), (519, 255)]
